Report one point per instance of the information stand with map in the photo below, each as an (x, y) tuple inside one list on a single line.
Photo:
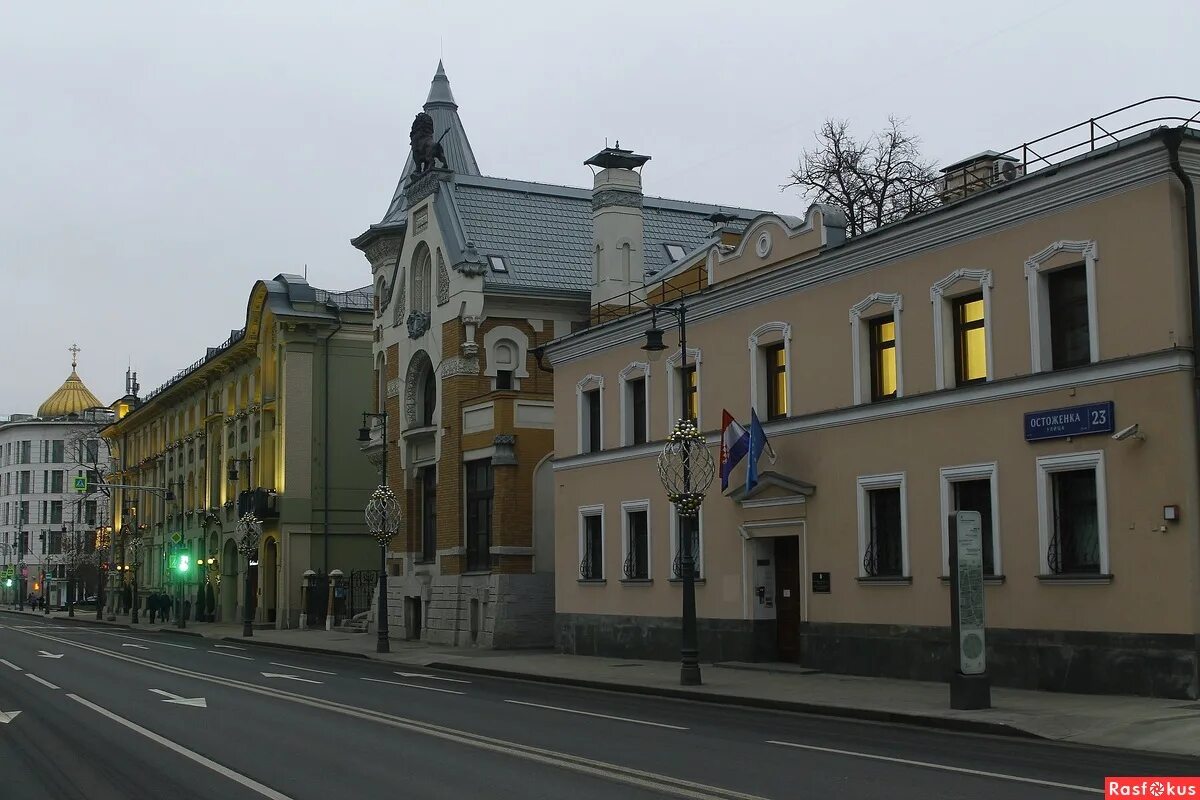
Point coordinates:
[(970, 686)]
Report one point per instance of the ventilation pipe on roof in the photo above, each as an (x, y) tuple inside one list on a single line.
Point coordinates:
[(618, 226)]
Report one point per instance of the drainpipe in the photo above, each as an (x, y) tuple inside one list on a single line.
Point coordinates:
[(325, 436), (1174, 138)]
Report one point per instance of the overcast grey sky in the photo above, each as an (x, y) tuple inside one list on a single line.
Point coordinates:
[(157, 158)]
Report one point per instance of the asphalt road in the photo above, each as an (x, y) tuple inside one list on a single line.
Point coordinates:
[(105, 713)]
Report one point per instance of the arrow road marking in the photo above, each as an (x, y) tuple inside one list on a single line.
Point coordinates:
[(44, 654), (414, 686), (42, 681), (138, 646), (10, 665), (430, 677), (230, 655), (288, 677), (199, 702), (8, 716), (303, 669)]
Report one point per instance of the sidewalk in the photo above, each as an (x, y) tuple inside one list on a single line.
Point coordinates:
[(1138, 723)]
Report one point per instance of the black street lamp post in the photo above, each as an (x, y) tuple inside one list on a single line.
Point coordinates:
[(249, 530), (102, 538), (383, 520), (686, 469), (135, 546)]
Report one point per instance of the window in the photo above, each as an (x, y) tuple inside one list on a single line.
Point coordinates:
[(591, 543), (497, 264), (690, 381), (636, 398), (56, 481), (56, 542), (970, 344), (882, 534), (636, 541), (504, 380), (1070, 342), (422, 285), (687, 529), (56, 451), (776, 375), (675, 252), (479, 514), (591, 426), (883, 357), (428, 398), (26, 454), (1061, 281), (1072, 501), (23, 486), (972, 488), (506, 349), (89, 513), (428, 479)]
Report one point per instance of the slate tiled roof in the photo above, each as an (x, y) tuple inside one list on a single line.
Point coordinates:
[(544, 232)]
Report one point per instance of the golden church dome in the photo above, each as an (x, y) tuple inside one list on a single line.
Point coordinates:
[(71, 398)]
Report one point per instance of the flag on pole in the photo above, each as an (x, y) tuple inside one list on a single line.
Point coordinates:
[(756, 445), (735, 442)]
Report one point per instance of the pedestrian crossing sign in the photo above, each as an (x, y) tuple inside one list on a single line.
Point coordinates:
[(80, 483)]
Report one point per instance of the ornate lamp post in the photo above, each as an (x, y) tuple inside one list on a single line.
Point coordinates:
[(249, 529), (686, 470), (383, 520), (135, 553)]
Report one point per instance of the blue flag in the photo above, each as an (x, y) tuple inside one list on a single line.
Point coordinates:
[(758, 443)]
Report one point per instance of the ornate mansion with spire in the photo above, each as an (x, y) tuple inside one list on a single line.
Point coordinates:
[(472, 275), (40, 511)]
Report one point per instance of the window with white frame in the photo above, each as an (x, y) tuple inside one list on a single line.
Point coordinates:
[(591, 543), (691, 529), (589, 392), (635, 406), (635, 540), (505, 349), (1061, 281), (1073, 515), (972, 488), (962, 327), (679, 377), (883, 527), (875, 332), (770, 360)]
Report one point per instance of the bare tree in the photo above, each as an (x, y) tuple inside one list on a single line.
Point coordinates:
[(874, 182)]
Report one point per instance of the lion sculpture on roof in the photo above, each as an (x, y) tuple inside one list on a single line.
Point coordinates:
[(426, 152)]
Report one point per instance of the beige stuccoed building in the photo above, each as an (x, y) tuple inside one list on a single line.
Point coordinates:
[(1025, 350)]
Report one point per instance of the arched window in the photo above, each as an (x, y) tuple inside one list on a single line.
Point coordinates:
[(380, 288), (421, 283), (428, 397)]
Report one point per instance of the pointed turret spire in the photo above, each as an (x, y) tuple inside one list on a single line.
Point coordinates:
[(448, 129)]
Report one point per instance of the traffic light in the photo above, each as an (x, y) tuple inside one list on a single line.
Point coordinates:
[(8, 583), (184, 563)]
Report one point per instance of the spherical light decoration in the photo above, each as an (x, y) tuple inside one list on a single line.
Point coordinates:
[(686, 467), (383, 515), (249, 529)]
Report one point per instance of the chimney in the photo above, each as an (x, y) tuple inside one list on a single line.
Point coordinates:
[(618, 226), (979, 172)]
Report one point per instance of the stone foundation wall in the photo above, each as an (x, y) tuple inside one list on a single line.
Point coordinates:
[(499, 611)]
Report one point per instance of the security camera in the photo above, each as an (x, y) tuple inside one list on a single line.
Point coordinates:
[(1128, 433)]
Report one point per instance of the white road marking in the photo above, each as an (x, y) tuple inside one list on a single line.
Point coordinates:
[(138, 646), (199, 702), (148, 641), (249, 783), (10, 665), (289, 677), (8, 716), (430, 677), (229, 646), (630, 776), (42, 681), (303, 669), (943, 767), (230, 655), (44, 654), (594, 714), (413, 686)]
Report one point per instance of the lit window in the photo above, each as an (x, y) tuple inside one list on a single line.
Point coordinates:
[(497, 264), (970, 343), (883, 358), (691, 379), (776, 374), (675, 252)]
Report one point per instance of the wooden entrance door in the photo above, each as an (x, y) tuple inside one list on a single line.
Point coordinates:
[(787, 597)]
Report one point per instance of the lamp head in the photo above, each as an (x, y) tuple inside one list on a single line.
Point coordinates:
[(654, 343), (364, 433)]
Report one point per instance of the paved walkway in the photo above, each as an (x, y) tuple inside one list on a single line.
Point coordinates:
[(1139, 723)]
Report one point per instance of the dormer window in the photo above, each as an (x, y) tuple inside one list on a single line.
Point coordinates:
[(497, 264), (675, 252)]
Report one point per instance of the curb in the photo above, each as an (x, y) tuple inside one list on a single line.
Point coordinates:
[(128, 626), (844, 712), (252, 642)]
